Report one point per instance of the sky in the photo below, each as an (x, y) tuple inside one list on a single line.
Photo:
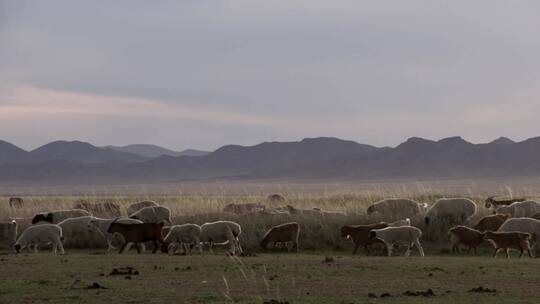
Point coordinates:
[(202, 74)]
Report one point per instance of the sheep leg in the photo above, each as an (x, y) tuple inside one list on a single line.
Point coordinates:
[(496, 251), (507, 253), (408, 251), (155, 245), (109, 244), (54, 247), (419, 247), (62, 251), (123, 247), (529, 252), (520, 253), (356, 249), (389, 248), (210, 248), (238, 245)]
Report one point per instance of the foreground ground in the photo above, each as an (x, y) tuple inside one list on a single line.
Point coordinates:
[(90, 277)]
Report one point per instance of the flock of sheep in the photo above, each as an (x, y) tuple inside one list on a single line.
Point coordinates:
[(514, 225)]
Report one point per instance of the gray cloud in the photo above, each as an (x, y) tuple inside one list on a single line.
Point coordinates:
[(375, 72)]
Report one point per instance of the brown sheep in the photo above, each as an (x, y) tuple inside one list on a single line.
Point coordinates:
[(509, 240), (491, 222), (491, 202), (284, 233), (16, 202), (107, 209), (466, 236), (138, 233), (359, 234)]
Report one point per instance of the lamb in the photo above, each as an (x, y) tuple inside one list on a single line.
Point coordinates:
[(138, 233), (102, 225), (453, 210), (182, 236), (284, 233), (138, 206), (45, 233), (520, 209), (522, 224), (55, 217), (404, 235), (393, 208), (359, 234), (107, 209), (241, 209), (156, 214), (509, 240), (466, 236), (16, 202), (303, 212), (8, 233), (491, 222), (491, 202), (222, 232)]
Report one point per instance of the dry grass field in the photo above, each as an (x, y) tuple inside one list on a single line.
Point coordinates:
[(323, 272)]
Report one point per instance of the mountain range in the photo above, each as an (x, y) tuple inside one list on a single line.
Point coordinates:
[(321, 158)]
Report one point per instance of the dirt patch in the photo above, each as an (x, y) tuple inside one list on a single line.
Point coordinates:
[(95, 285), (482, 289), (427, 293), (124, 271)]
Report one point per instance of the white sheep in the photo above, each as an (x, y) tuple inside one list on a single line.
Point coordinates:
[(399, 223), (8, 233), (453, 210), (222, 232), (78, 228), (520, 209), (522, 224), (102, 225), (55, 217), (155, 214), (404, 235), (38, 234), (182, 236), (393, 208), (138, 206)]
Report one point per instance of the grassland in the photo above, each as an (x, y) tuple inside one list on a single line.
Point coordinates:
[(80, 277), (324, 271)]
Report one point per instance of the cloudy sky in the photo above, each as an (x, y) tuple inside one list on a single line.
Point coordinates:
[(201, 73)]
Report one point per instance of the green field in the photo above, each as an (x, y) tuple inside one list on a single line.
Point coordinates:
[(293, 278)]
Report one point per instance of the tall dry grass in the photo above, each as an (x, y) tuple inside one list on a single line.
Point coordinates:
[(317, 233)]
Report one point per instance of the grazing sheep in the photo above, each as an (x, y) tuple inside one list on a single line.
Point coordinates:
[(181, 236), (359, 235), (222, 232), (453, 210), (103, 225), (330, 213), (491, 202), (155, 214), (8, 233), (55, 217), (138, 233), (399, 223), (138, 206), (77, 228), (275, 198), (45, 233), (509, 240), (404, 235), (466, 236), (522, 224), (284, 233), (106, 209), (394, 208), (16, 202), (520, 209), (491, 222), (241, 209)]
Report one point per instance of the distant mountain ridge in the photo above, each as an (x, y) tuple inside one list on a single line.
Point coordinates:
[(308, 159), (153, 151)]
